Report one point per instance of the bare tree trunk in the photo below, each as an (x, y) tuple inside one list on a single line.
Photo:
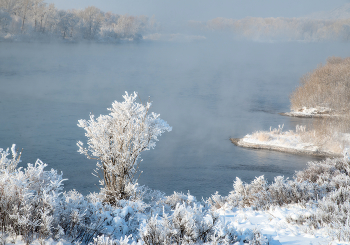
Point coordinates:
[(41, 23), (24, 14)]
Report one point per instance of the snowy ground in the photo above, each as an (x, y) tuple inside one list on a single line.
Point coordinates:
[(273, 224)]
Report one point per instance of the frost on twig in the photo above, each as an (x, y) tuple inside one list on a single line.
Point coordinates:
[(9, 164)]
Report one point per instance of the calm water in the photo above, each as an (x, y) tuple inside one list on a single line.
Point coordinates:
[(207, 91)]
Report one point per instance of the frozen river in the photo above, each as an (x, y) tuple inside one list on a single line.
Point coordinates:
[(207, 91)]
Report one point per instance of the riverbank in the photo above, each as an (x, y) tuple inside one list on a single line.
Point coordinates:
[(295, 142), (243, 143)]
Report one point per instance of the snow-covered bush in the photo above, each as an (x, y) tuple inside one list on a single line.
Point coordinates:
[(117, 140), (253, 237), (331, 195), (9, 164), (259, 195), (179, 198), (323, 171), (319, 180), (105, 240), (79, 219), (249, 195), (284, 191), (27, 198), (333, 211), (187, 224)]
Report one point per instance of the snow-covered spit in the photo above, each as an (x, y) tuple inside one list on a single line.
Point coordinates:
[(322, 112), (298, 142), (312, 208)]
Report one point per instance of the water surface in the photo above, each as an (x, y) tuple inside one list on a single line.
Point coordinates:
[(207, 91)]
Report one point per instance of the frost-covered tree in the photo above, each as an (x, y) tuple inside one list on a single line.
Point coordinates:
[(67, 24), (24, 7), (5, 20), (117, 140), (8, 5), (92, 19)]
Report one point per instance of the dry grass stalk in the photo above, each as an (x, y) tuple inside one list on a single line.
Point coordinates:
[(262, 136)]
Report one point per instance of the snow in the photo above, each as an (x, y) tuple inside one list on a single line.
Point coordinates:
[(310, 112), (274, 225)]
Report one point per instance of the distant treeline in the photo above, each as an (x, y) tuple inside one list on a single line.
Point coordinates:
[(306, 29), (35, 18)]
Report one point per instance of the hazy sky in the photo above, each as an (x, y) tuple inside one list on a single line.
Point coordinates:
[(183, 10)]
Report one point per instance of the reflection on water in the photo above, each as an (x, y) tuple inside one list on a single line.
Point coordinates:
[(207, 91)]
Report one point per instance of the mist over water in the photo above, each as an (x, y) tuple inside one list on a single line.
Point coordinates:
[(207, 91)]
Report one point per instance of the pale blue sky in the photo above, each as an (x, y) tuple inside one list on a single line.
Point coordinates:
[(184, 10)]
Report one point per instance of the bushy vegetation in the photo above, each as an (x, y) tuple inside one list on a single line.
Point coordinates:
[(323, 184), (33, 207), (326, 86)]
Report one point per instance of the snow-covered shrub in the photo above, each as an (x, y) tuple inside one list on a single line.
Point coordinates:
[(117, 140), (253, 237), (79, 219), (332, 203), (187, 224), (309, 185), (216, 201), (333, 211), (9, 164), (315, 182), (27, 198), (249, 195), (328, 175), (179, 198), (84, 218), (105, 240), (283, 191)]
